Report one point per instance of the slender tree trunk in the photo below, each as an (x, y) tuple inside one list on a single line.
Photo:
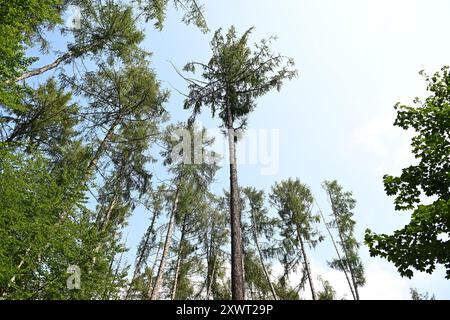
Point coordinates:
[(63, 59), (261, 258), (237, 270), (352, 273), (160, 275), (337, 252), (341, 238), (103, 224), (179, 258), (13, 278), (150, 283), (107, 292), (355, 285), (307, 267), (211, 277), (211, 255), (140, 259), (103, 219), (101, 147)]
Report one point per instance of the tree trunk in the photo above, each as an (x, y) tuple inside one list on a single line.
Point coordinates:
[(338, 253), (101, 147), (177, 269), (307, 267), (160, 276), (352, 274), (92, 163), (150, 283), (71, 54), (211, 277), (355, 285), (62, 59), (13, 278), (140, 259), (211, 255), (261, 258), (237, 270)]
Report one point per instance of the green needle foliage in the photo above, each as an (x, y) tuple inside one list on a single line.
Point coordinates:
[(424, 242)]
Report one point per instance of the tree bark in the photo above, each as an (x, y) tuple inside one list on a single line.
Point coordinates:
[(160, 275), (237, 270), (307, 267)]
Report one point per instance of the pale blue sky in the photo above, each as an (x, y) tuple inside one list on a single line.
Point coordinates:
[(356, 59)]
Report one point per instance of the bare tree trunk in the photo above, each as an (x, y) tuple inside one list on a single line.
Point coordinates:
[(237, 270), (307, 267), (261, 258), (154, 295), (177, 269), (338, 253)]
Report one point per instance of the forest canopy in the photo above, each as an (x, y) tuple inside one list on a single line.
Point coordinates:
[(89, 141)]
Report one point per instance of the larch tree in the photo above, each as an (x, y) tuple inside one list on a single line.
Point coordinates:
[(293, 202), (232, 80), (154, 204), (342, 203)]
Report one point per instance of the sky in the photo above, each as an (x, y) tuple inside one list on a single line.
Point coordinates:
[(356, 59)]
